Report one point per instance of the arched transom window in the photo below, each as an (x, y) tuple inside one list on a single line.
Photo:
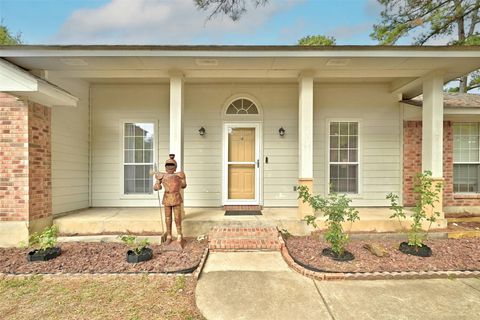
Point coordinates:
[(242, 106)]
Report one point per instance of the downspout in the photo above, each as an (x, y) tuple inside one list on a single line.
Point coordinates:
[(90, 145), (401, 120)]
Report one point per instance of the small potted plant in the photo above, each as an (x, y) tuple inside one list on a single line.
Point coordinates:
[(336, 210), (139, 251), (427, 194), (44, 245)]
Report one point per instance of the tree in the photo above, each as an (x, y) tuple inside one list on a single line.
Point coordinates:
[(232, 8), (317, 40), (427, 20), (6, 38)]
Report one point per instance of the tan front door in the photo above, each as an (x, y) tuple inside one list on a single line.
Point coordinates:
[(241, 163)]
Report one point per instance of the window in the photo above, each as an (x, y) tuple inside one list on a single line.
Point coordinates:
[(466, 159), (242, 106), (138, 151), (343, 157)]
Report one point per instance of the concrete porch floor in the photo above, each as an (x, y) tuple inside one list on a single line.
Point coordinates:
[(199, 221)]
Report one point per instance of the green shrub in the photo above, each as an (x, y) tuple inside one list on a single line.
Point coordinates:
[(426, 196), (45, 240), (336, 209), (133, 244)]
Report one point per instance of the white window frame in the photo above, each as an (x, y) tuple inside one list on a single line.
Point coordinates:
[(359, 156), (464, 162), (144, 196)]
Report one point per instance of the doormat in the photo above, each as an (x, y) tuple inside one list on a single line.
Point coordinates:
[(243, 213)]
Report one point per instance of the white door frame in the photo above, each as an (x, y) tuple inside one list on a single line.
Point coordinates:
[(258, 167)]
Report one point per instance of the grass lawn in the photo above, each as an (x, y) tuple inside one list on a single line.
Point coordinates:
[(98, 297)]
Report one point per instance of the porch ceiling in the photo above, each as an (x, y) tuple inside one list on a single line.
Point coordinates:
[(398, 66)]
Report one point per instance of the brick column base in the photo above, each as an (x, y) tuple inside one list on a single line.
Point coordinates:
[(25, 169)]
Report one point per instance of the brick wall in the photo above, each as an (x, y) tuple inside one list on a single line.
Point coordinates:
[(412, 164), (39, 155), (25, 159)]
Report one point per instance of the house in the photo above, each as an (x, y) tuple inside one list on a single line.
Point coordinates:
[(84, 126)]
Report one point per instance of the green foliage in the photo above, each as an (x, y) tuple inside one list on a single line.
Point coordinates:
[(133, 244), (47, 239), (336, 209), (427, 194), (426, 19), (6, 38), (430, 19), (231, 8), (317, 40)]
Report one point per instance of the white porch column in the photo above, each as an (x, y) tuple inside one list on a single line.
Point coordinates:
[(176, 117), (432, 125), (305, 137), (432, 135)]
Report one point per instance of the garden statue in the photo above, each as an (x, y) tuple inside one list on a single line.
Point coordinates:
[(173, 182)]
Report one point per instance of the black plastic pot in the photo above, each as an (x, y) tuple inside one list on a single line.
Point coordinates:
[(346, 256), (423, 251), (145, 255), (43, 255)]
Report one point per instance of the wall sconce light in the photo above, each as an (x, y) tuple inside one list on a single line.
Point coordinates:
[(281, 131), (201, 131)]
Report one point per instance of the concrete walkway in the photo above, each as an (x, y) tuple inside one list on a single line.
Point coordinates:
[(259, 285)]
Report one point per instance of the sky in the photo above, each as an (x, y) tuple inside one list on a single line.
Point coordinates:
[(179, 22)]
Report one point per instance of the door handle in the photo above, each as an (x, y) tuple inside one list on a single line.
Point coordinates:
[(258, 163)]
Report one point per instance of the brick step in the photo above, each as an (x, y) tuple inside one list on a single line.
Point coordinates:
[(237, 239)]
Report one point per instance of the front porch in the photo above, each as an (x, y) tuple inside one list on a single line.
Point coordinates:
[(199, 221)]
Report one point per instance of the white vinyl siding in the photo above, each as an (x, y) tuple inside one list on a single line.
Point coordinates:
[(112, 105), (70, 150), (204, 107), (466, 157), (379, 141), (375, 108)]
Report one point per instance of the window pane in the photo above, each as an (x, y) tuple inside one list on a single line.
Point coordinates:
[(344, 178), (334, 171), (352, 186), (334, 128), (139, 173), (129, 132), (343, 171), (148, 143), (344, 128), (353, 128), (334, 155), (129, 186), (138, 156), (334, 142), (465, 177), (138, 143), (352, 156), (352, 142), (129, 143), (129, 172), (129, 156), (343, 141), (147, 156), (343, 155)]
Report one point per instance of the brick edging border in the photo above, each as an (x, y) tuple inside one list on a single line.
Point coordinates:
[(373, 275)]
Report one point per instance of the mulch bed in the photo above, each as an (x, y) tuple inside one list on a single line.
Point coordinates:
[(84, 257), (448, 255)]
